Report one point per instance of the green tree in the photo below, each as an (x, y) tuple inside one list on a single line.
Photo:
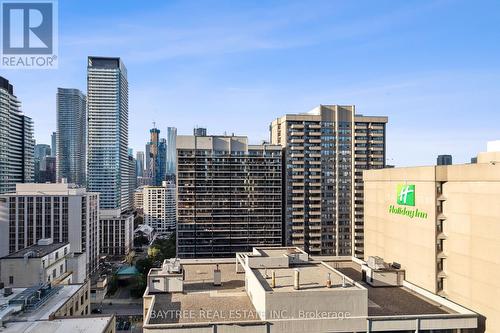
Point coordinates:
[(144, 265), (154, 252)]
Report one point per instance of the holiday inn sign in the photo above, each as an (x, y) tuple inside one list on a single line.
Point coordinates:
[(406, 197)]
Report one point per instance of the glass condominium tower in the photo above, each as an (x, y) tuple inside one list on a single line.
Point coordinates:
[(107, 146), (171, 150), (16, 141), (71, 134)]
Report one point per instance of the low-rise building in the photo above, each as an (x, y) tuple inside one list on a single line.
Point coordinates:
[(116, 232), (283, 290), (36, 264), (50, 308)]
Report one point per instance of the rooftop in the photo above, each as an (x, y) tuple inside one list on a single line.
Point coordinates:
[(312, 277), (391, 301), (278, 251), (248, 296), (37, 251), (42, 312), (200, 297), (81, 324)]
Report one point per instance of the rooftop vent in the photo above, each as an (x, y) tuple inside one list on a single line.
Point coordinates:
[(217, 276), (45, 241), (7, 291), (296, 279), (375, 262)]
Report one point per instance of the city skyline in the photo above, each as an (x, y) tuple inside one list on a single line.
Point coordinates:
[(418, 77)]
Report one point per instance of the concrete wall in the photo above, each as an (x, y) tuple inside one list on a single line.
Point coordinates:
[(255, 292), (269, 262), (76, 305), (25, 274), (409, 241), (339, 302), (471, 208), (473, 247)]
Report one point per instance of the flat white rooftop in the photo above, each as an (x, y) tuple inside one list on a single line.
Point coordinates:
[(66, 325), (41, 313)]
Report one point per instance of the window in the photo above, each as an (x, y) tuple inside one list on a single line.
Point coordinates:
[(57, 255), (53, 273), (11, 280), (61, 269)]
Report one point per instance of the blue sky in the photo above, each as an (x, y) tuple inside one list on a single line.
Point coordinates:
[(234, 66)]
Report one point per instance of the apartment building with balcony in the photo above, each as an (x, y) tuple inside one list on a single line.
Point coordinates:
[(228, 196), (324, 154)]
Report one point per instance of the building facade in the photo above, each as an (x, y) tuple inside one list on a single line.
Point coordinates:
[(158, 204), (324, 154), (171, 150), (440, 223), (132, 180), (139, 168), (116, 234), (71, 135), (156, 151), (57, 211), (228, 195), (41, 151), (107, 139), (47, 170), (53, 144), (16, 141), (42, 263)]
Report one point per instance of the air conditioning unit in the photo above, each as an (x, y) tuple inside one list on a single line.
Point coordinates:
[(7, 291)]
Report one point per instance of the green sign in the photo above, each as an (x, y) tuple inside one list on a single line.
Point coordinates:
[(406, 195)]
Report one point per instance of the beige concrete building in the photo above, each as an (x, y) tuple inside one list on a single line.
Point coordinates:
[(44, 262), (159, 207), (139, 200), (275, 290), (116, 232), (62, 212), (228, 196), (50, 308), (325, 152), (441, 224)]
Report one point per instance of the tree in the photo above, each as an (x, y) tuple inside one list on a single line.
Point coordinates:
[(154, 252), (167, 247), (144, 265)]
